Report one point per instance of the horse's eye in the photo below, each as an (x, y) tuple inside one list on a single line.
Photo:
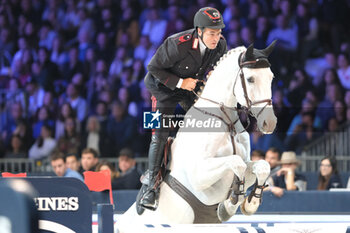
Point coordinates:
[(250, 80)]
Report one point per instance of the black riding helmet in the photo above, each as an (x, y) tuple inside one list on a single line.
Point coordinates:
[(208, 17)]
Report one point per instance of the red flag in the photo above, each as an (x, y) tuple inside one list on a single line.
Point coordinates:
[(99, 181), (8, 174)]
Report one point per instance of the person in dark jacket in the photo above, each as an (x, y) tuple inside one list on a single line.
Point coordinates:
[(129, 174), (287, 178), (329, 176), (173, 74)]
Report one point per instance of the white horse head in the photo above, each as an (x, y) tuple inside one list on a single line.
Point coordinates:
[(247, 75), (254, 89)]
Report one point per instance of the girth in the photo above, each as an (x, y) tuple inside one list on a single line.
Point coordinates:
[(202, 213)]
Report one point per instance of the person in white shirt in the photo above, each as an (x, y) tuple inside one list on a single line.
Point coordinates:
[(44, 145)]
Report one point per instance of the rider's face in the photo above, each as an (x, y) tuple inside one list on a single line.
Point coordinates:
[(211, 37)]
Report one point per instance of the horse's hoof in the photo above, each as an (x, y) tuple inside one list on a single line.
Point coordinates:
[(249, 208), (223, 215)]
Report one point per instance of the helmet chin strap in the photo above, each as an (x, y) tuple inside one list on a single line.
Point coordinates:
[(201, 37)]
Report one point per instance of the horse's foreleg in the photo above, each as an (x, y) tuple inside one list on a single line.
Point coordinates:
[(210, 170), (257, 174), (228, 208)]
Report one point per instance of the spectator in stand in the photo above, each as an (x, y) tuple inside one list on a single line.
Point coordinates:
[(49, 102), (95, 138), (89, 159), (129, 23), (308, 32), (173, 14), (35, 95), (273, 156), (22, 46), (73, 162), (247, 36), (14, 94), (307, 106), (287, 178), (144, 50), (73, 65), (262, 32), (344, 70), (329, 77), (58, 164), (84, 38), (7, 44), (59, 55), (287, 43), (23, 74), (104, 49), (65, 111), (298, 87), (105, 165), (16, 149), (329, 177), (340, 112), (121, 127), (101, 111), (13, 122), (49, 72), (303, 133), (25, 132), (121, 60), (77, 102), (130, 175), (43, 117), (233, 40), (44, 145), (325, 109), (261, 141), (108, 22), (46, 35), (257, 155), (71, 139), (154, 27)]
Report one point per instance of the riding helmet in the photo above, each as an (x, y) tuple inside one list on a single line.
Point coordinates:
[(208, 17)]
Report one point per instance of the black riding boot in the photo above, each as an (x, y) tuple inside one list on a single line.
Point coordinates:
[(155, 156)]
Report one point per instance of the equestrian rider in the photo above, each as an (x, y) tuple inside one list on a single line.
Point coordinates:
[(173, 72)]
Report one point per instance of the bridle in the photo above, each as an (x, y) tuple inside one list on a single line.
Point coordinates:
[(250, 104), (231, 124)]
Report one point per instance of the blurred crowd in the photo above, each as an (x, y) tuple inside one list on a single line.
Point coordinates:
[(71, 71)]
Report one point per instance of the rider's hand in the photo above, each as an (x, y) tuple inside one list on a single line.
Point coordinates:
[(189, 84)]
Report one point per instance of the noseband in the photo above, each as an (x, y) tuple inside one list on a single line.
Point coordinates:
[(250, 104)]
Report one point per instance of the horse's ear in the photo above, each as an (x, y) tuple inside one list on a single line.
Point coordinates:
[(267, 51), (249, 53)]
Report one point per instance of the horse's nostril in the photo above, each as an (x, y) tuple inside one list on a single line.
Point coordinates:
[(264, 124)]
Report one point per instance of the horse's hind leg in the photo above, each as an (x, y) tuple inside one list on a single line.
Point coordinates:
[(256, 172)]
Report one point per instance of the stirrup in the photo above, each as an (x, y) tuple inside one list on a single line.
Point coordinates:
[(257, 195), (237, 190), (156, 197)]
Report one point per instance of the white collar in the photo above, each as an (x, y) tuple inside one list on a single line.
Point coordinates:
[(202, 47)]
